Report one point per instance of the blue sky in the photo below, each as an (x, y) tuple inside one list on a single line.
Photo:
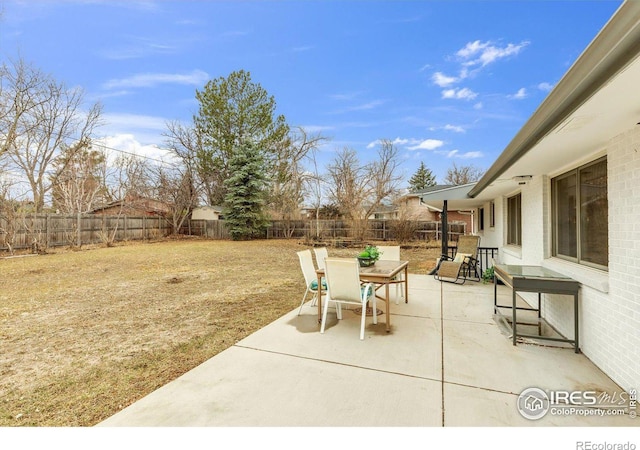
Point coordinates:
[(448, 81)]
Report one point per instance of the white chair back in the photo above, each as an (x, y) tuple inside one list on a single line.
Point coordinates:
[(389, 252), (343, 279), (306, 264), (321, 255)]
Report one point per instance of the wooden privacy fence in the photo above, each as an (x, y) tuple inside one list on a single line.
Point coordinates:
[(55, 230), (382, 230), (212, 229)]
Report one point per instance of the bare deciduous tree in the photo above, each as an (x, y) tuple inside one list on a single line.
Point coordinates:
[(77, 184), (458, 175), (127, 180), (288, 176), (359, 189), (176, 187), (40, 116), (186, 144)]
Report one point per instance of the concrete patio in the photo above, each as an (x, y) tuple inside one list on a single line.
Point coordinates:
[(446, 362)]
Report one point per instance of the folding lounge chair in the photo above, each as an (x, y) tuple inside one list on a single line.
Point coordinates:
[(464, 266)]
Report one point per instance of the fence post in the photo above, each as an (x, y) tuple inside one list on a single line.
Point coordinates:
[(79, 227), (47, 226)]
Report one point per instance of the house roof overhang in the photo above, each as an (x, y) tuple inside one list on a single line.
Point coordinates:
[(596, 100), (457, 198)]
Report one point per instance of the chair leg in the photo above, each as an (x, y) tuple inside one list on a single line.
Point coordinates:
[(364, 315), (302, 302), (324, 315), (399, 292), (339, 311), (375, 310)]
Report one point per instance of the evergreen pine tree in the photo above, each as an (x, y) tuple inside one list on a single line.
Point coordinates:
[(246, 190), (422, 179)]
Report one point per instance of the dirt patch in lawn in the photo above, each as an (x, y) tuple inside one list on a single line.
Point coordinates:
[(85, 333)]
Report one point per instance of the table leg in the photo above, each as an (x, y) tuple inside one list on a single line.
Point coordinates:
[(406, 285), (513, 315), (575, 318), (495, 294), (319, 300), (386, 291)]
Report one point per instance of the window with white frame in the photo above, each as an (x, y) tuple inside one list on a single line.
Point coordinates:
[(580, 215), (514, 220)]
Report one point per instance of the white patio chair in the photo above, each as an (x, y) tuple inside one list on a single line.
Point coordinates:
[(321, 255), (310, 278), (392, 253), (343, 282)]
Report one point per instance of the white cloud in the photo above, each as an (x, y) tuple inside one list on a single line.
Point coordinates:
[(522, 93), (362, 107), (483, 53), (127, 144), (139, 47), (459, 94), (345, 96), (195, 78), (457, 154), (478, 105), (427, 144), (396, 141), (147, 129), (134, 121), (366, 106), (411, 143), (443, 80), (546, 87), (316, 128), (454, 128)]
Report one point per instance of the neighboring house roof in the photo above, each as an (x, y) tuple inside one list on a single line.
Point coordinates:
[(217, 209), (136, 203), (419, 192)]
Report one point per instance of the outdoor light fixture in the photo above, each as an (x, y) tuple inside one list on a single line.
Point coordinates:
[(522, 179)]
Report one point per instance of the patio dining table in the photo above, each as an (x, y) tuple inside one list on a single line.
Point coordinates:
[(382, 273)]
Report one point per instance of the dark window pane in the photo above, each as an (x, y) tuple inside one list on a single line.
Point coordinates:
[(566, 237), (514, 233), (492, 214), (594, 214)]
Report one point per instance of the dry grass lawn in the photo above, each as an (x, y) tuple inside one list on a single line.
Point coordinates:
[(85, 333)]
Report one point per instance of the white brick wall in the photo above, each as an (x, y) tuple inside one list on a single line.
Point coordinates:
[(616, 348), (609, 301)]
